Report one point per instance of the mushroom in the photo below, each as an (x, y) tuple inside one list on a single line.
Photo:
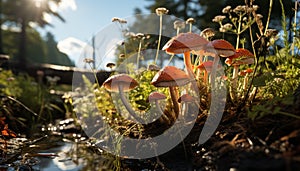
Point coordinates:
[(206, 67), (186, 98), (241, 57), (217, 48), (172, 77), (223, 47), (245, 73), (156, 96), (110, 65), (185, 43), (122, 83)]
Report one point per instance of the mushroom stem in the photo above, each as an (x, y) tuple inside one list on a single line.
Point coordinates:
[(205, 77), (234, 82), (174, 97), (213, 72), (245, 84), (189, 69), (188, 64), (138, 55), (164, 117), (159, 38), (127, 105)]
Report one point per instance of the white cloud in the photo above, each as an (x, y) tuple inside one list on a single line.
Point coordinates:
[(73, 48)]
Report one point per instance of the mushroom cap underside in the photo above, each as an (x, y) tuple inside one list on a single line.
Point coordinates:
[(185, 42), (156, 96), (170, 76), (125, 81)]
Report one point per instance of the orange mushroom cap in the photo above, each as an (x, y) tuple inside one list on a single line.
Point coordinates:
[(240, 57), (170, 76), (223, 47), (185, 42), (246, 71), (207, 65)]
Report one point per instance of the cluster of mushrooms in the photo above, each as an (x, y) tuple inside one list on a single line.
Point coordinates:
[(173, 77)]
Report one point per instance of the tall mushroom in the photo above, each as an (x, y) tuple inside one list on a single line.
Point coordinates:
[(217, 48), (172, 77), (185, 43), (156, 97), (122, 83)]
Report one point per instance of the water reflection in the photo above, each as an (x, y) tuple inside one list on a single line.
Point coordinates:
[(63, 161)]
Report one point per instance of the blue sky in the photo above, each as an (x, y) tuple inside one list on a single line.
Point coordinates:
[(90, 16), (84, 19)]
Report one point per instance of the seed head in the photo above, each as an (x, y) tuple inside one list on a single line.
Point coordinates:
[(226, 9), (219, 18), (208, 33), (88, 60), (190, 21), (120, 20), (255, 7), (140, 35), (222, 30), (179, 24), (240, 9), (258, 16), (122, 55), (161, 11), (227, 26)]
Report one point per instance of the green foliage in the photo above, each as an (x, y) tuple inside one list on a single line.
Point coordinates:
[(9, 85), (274, 106), (38, 49), (139, 96), (90, 100)]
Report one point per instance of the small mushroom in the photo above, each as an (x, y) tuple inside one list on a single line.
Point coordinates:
[(156, 97), (172, 77), (245, 73), (241, 57), (110, 65), (185, 99), (206, 67), (122, 83), (185, 43)]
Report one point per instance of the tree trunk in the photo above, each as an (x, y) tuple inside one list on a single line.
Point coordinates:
[(1, 42), (22, 61)]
